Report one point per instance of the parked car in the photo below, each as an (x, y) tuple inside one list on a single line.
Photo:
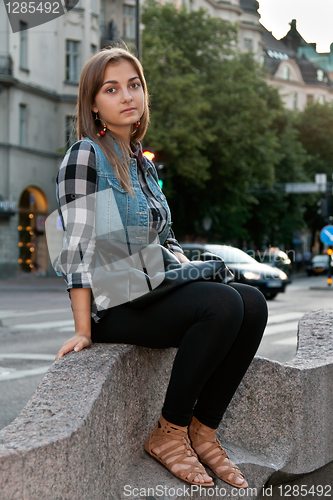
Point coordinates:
[(269, 280), (319, 265), (277, 258)]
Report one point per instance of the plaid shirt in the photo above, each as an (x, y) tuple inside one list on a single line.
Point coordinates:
[(77, 181)]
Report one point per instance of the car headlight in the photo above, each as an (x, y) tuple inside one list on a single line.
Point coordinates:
[(249, 275), (283, 275)]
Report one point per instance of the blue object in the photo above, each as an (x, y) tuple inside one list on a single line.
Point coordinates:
[(326, 235)]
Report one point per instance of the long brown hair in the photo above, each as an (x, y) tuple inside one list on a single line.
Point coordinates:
[(91, 80)]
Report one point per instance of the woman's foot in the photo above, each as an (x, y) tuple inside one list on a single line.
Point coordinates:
[(211, 453), (170, 445)]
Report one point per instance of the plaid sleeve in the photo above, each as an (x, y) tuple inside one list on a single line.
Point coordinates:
[(173, 243), (76, 194)]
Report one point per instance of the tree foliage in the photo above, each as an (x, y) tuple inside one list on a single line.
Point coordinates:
[(219, 128), (315, 126)]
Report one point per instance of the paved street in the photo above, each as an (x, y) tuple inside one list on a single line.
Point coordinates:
[(35, 319)]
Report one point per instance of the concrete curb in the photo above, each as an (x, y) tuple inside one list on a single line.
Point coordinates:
[(81, 435)]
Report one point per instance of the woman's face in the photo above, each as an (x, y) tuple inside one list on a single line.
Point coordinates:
[(120, 100)]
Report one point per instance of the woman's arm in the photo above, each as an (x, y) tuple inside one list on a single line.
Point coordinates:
[(81, 305), (175, 247), (181, 257), (77, 185)]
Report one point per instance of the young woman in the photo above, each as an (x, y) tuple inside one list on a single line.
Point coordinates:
[(217, 328)]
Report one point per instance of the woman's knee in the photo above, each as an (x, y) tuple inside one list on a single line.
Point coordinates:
[(250, 294), (255, 305), (221, 301)]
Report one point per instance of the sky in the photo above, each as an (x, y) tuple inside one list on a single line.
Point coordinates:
[(314, 19)]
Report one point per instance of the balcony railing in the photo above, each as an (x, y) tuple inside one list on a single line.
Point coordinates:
[(6, 66), (7, 208), (109, 34)]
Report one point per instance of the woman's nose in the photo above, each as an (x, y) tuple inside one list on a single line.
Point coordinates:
[(126, 95)]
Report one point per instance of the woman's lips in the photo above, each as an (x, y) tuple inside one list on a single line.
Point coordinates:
[(129, 110)]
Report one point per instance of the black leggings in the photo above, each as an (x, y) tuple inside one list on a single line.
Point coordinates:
[(217, 329)]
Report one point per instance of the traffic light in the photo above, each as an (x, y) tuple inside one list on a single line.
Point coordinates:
[(161, 174), (148, 154), (323, 208)]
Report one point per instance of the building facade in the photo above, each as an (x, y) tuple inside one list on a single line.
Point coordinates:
[(299, 79), (39, 73)]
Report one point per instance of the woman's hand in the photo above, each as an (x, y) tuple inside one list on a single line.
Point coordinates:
[(76, 343), (181, 257), (81, 302)]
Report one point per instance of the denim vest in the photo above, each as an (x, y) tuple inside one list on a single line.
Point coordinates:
[(116, 209)]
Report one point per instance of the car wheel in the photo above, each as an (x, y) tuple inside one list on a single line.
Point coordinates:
[(270, 296)]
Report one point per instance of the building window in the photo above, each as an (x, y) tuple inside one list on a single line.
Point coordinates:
[(93, 49), (294, 100), (23, 124), (72, 61), (71, 133), (248, 44), (129, 21), (321, 99), (309, 98), (320, 75), (93, 6), (23, 45), (286, 73)]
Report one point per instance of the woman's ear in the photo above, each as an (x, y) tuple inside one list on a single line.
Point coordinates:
[(94, 109)]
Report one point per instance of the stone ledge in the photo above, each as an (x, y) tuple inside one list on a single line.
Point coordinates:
[(81, 435), (86, 420)]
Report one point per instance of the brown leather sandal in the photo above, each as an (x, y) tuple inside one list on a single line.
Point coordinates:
[(163, 433), (200, 434)]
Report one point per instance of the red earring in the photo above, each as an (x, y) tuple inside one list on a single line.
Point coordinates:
[(102, 132), (136, 126)]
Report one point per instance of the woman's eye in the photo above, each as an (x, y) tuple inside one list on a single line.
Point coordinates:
[(111, 89), (135, 85)]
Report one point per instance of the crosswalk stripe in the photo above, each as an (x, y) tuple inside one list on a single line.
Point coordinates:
[(284, 317), (22, 373), (289, 326), (21, 314), (43, 325), (36, 357), (70, 329), (286, 341)]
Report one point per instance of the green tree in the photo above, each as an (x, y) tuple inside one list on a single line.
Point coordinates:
[(175, 46), (315, 125), (215, 122), (277, 215)]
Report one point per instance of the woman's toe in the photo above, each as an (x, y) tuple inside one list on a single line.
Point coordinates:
[(207, 478), (199, 479), (237, 480)]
